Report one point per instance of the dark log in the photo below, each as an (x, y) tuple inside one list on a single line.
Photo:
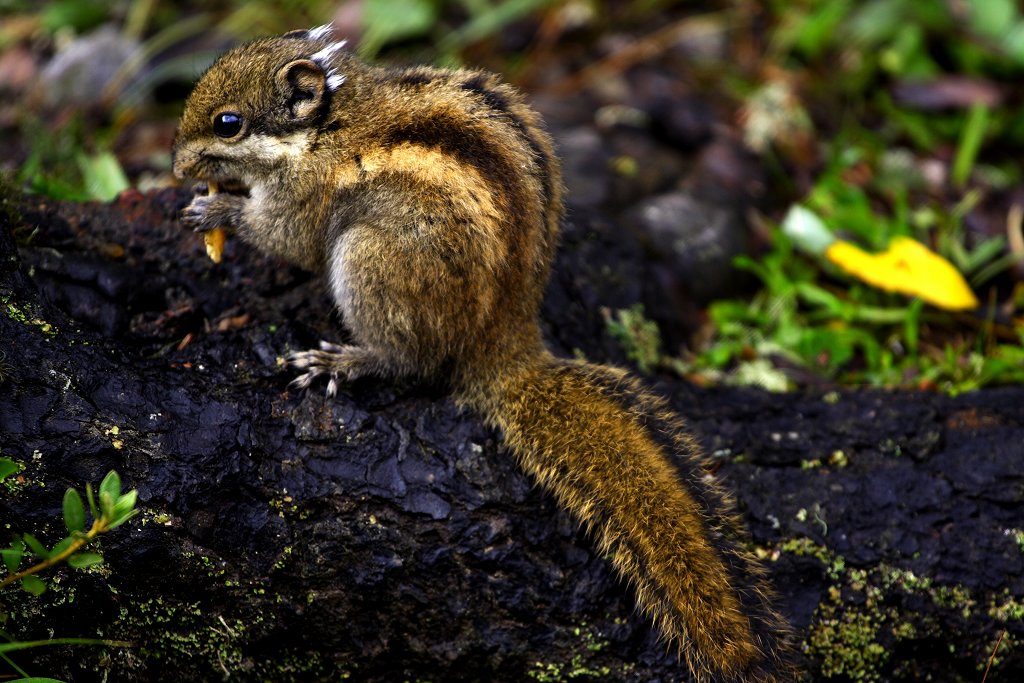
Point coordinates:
[(385, 536)]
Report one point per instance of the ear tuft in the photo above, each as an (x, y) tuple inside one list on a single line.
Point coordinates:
[(323, 58), (319, 32), (303, 83)]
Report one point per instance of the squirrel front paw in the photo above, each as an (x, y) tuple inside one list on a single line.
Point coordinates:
[(341, 362), (207, 212)]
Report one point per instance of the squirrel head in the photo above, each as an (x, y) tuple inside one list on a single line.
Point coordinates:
[(258, 106)]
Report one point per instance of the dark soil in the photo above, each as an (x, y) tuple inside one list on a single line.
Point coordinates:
[(385, 536)]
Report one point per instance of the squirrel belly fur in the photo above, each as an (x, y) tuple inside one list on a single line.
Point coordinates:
[(431, 199)]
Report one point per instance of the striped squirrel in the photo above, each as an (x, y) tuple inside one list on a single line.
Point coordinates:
[(432, 200)]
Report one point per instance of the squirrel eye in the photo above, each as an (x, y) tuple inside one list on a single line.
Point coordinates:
[(227, 124)]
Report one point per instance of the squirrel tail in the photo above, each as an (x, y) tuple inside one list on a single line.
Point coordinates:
[(622, 462)]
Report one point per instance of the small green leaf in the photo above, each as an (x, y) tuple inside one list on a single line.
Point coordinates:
[(13, 555), (991, 17), (387, 21), (972, 134), (79, 14), (103, 176), (112, 485), (34, 585), (36, 547), (118, 521), (125, 503), (107, 505), (64, 544), (7, 468), (74, 511), (83, 560), (92, 501)]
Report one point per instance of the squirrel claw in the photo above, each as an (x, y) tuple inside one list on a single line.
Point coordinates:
[(316, 363), (342, 363)]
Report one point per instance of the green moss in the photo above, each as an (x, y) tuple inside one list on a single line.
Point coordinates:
[(860, 618), (955, 596), (283, 559), (639, 337), (847, 645), (805, 547), (579, 666), (1006, 609), (1018, 537), (25, 316)]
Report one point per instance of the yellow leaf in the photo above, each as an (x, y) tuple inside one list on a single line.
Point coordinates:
[(907, 267)]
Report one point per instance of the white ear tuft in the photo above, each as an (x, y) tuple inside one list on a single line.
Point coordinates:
[(319, 32), (334, 81), (324, 55)]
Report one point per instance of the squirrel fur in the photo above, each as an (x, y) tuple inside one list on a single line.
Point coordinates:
[(432, 200)]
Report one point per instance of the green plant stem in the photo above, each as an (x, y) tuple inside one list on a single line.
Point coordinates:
[(26, 644), (11, 663), (98, 527), (972, 135)]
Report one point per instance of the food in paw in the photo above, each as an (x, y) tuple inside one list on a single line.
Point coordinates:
[(214, 239)]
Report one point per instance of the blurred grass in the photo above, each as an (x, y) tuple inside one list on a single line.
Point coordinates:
[(910, 131)]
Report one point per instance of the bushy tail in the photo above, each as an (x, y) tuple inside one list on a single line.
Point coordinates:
[(623, 464)]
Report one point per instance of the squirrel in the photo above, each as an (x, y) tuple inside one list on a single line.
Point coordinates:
[(432, 200)]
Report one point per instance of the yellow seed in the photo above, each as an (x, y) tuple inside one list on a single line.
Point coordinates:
[(214, 239)]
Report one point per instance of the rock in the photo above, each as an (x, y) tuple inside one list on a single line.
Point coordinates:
[(585, 167), (80, 73), (695, 241)]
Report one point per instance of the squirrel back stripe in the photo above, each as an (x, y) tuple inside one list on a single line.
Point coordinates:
[(648, 503), (489, 90)]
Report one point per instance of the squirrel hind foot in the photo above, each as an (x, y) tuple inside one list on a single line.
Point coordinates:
[(339, 362)]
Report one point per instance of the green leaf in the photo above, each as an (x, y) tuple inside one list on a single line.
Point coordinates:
[(107, 505), (79, 14), (912, 325), (74, 511), (34, 585), (817, 296), (112, 485), (103, 176), (13, 555), (124, 509), (7, 468), (992, 17), (63, 545), (36, 547), (126, 503), (29, 644), (972, 135), (391, 20), (92, 501), (83, 560), (489, 19), (118, 521)]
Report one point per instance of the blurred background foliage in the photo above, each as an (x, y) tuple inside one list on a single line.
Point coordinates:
[(883, 118)]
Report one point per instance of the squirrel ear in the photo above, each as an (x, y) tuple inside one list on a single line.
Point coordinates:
[(303, 83)]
